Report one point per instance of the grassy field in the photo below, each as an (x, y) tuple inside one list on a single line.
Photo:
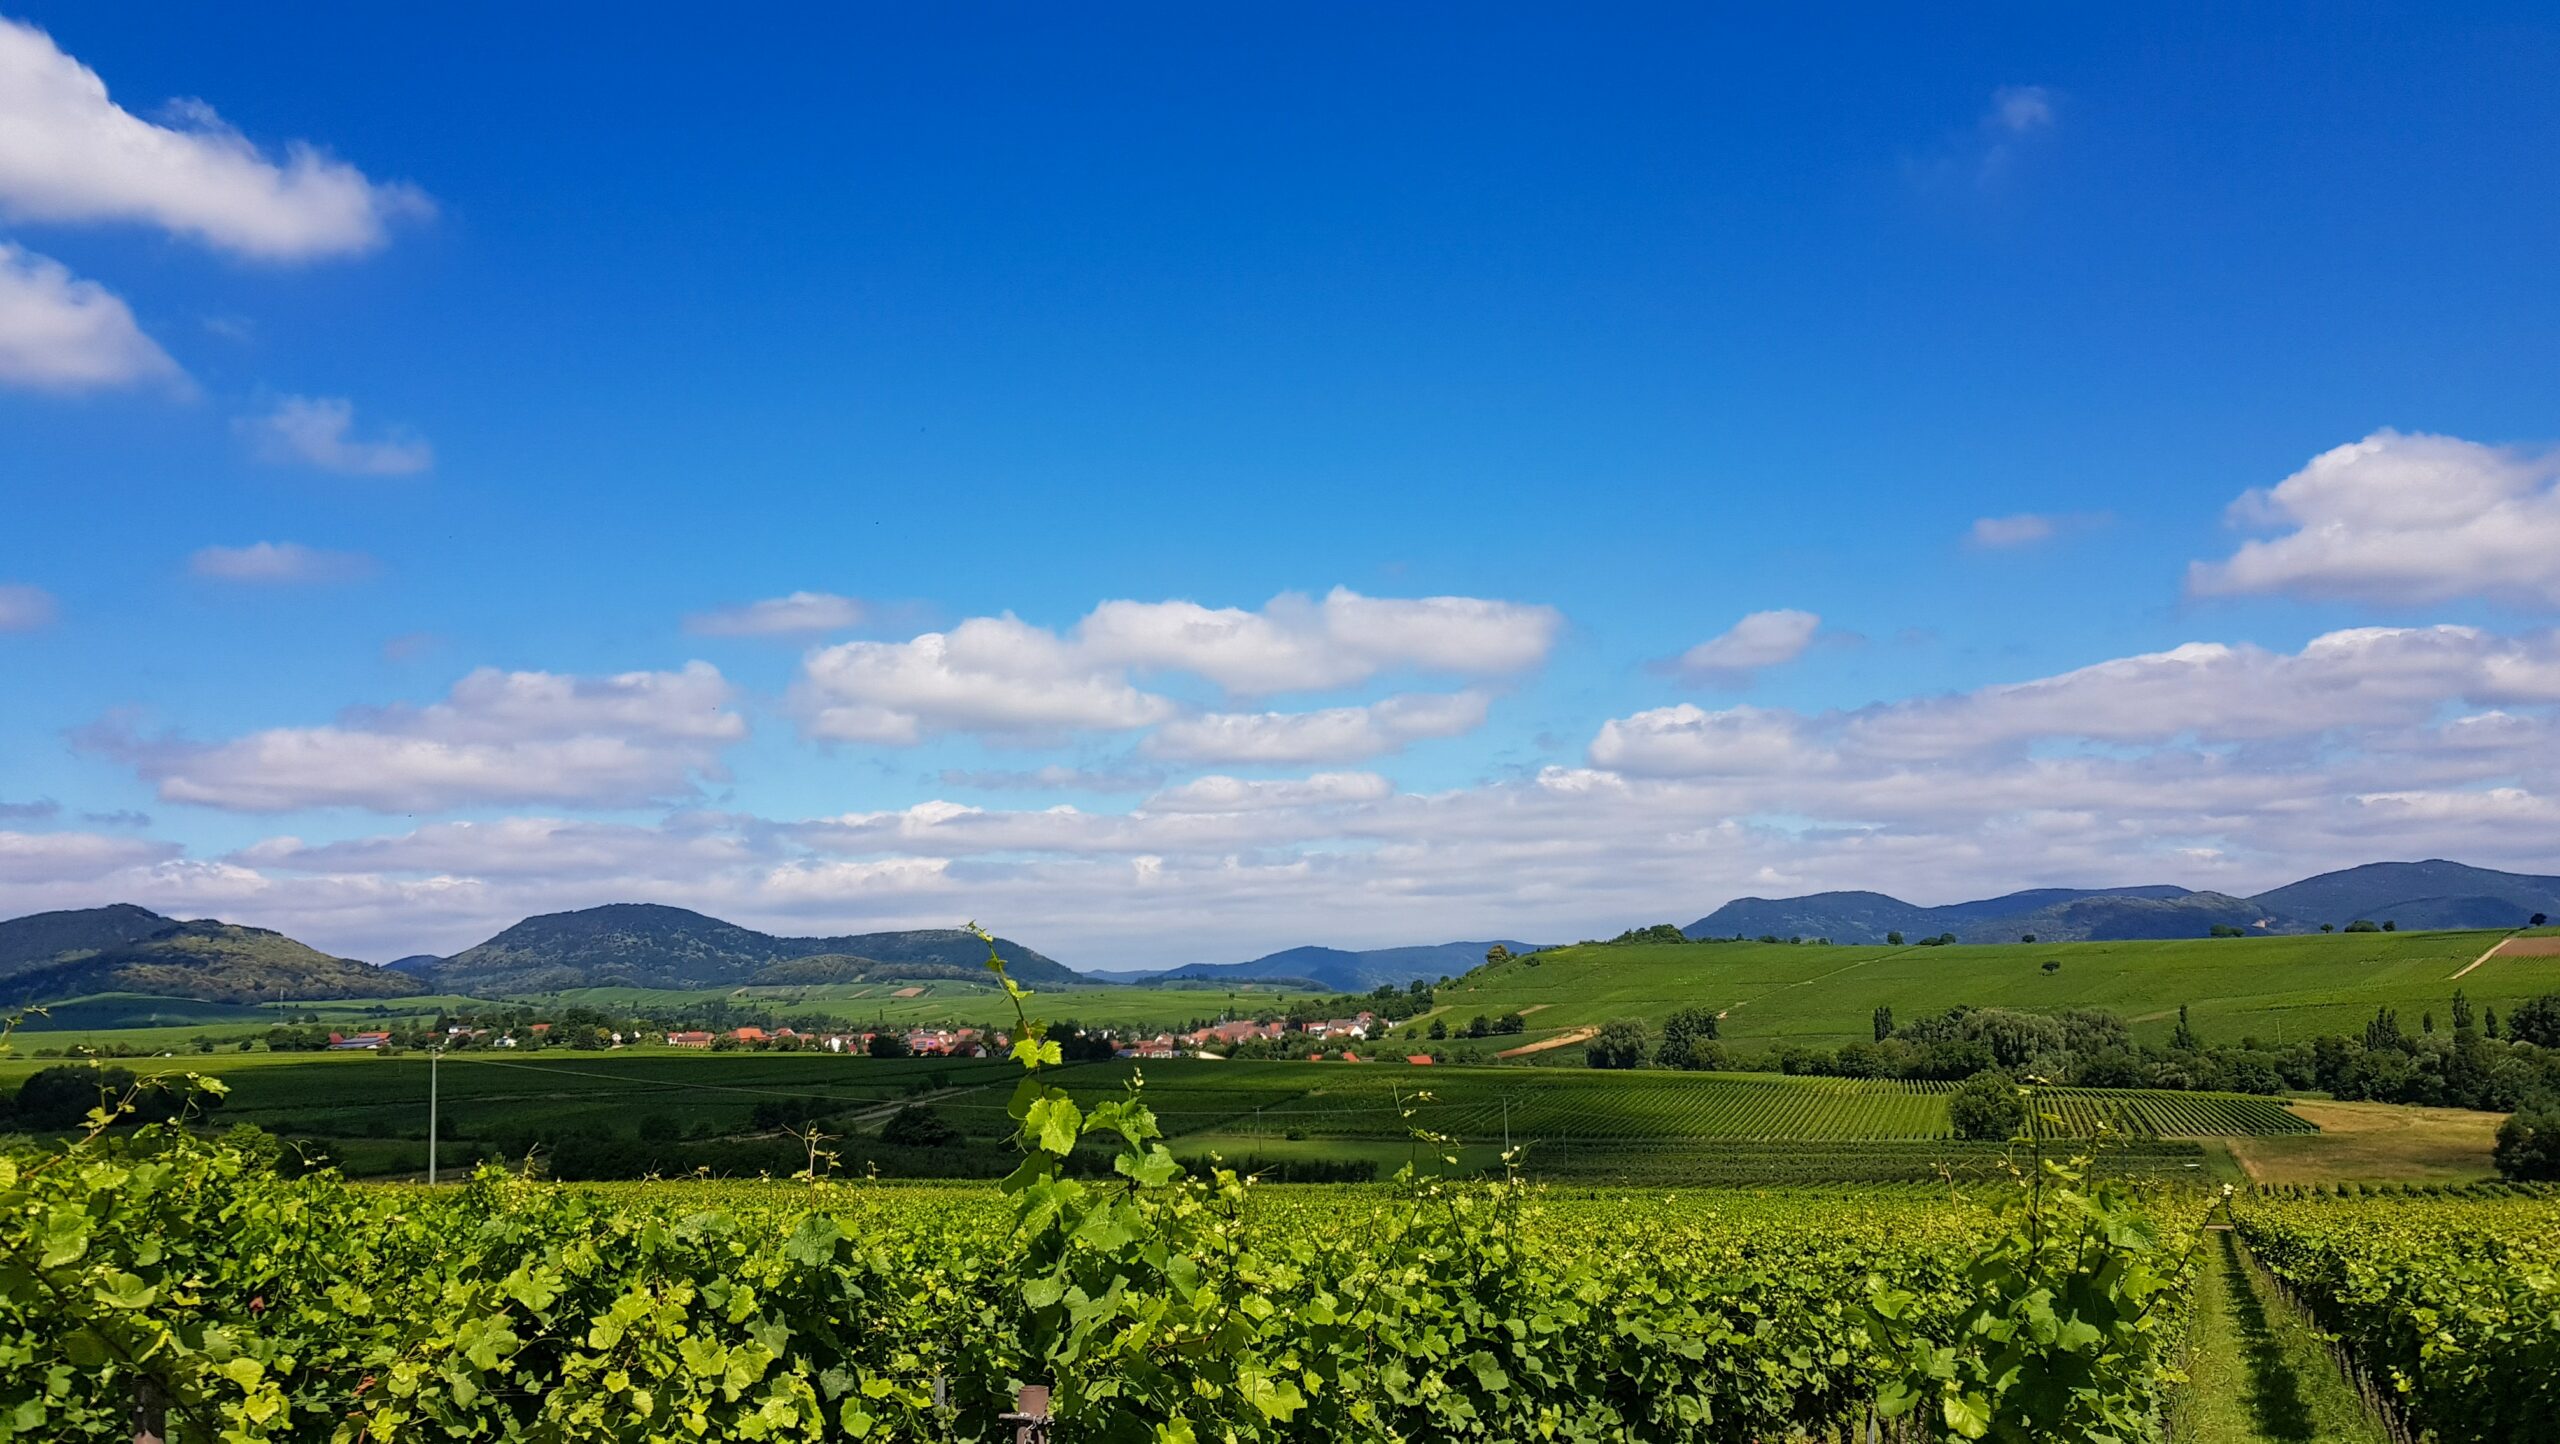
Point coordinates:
[(2380, 1142), (947, 1000), (2274, 988)]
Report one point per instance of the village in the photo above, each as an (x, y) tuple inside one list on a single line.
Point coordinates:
[(1267, 1037)]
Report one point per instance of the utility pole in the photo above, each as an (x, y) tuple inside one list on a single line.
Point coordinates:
[(1506, 1123), (432, 1056)]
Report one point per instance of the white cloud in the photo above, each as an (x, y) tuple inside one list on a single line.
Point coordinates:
[(1004, 677), (2001, 532), (1689, 741), (779, 616), (25, 608), (1332, 734), (1233, 794), (1293, 644), (61, 333), (69, 153), (73, 857), (2019, 109), (2400, 518), (1762, 639), (498, 737), (277, 564), (989, 674), (319, 431)]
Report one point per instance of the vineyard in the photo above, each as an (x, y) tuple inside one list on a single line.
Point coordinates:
[(256, 1307), (2447, 1307)]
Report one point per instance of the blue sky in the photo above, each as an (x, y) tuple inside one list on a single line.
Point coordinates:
[(378, 389)]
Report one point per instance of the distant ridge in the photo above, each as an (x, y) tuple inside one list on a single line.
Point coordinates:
[(1341, 969), (121, 948), (2431, 894), (650, 945)]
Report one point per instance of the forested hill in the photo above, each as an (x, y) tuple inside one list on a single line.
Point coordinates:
[(125, 949), (653, 946), (2432, 894)]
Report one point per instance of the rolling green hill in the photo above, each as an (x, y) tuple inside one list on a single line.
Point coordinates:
[(208, 961), (41, 940), (650, 946), (2278, 987)]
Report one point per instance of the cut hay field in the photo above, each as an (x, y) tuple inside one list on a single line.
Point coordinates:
[(2273, 988)]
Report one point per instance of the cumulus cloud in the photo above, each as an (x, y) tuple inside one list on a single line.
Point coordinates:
[(779, 616), (72, 857), (61, 333), (1233, 794), (1294, 644), (1004, 677), (497, 738), (2401, 517), (1762, 639), (1332, 734), (319, 431), (989, 674), (70, 153), (277, 564), (1055, 777), (25, 608)]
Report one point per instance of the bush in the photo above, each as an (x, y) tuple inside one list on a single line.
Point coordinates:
[(2529, 1145), (1986, 1108), (1688, 1040), (887, 1045), (917, 1126), (1622, 1043), (2536, 1021)]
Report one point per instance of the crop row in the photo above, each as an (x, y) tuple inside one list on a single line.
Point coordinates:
[(2448, 1305)]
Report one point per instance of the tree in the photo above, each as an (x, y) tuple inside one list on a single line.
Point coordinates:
[(1688, 1040), (1621, 1043), (1986, 1108), (2529, 1144), (2362, 925), (2053, 965), (2536, 1021), (917, 1126), (2538, 920), (2389, 926), (2184, 1039), (1884, 1023), (1893, 940), (1496, 954), (1439, 1029), (2489, 1022), (886, 1045), (2328, 927), (2026, 937), (2461, 1012)]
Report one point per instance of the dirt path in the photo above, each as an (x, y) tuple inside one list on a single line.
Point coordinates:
[(2484, 957), (1564, 1039)]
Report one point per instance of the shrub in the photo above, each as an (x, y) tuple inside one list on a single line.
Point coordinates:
[(1688, 1040), (1986, 1107), (2529, 1145), (1622, 1043), (916, 1126)]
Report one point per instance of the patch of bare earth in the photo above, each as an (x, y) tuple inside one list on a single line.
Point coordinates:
[(1565, 1039)]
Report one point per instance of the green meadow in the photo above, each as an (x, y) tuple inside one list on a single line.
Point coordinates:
[(2273, 988)]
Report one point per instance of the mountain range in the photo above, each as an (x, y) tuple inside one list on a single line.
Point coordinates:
[(2430, 894), (1338, 969), (126, 949)]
